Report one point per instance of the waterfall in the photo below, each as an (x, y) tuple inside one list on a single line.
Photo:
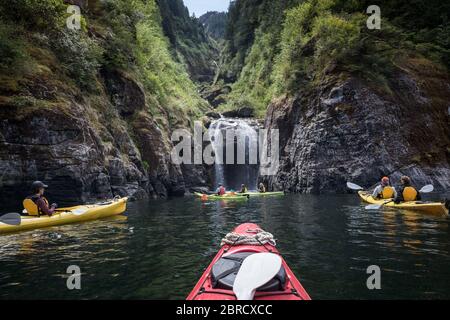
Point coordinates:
[(214, 132), (239, 166)]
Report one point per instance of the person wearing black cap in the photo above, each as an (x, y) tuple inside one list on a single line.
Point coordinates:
[(37, 204)]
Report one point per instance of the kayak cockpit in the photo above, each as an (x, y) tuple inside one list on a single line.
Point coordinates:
[(225, 270)]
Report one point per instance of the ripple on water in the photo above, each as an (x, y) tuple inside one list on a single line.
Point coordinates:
[(161, 250)]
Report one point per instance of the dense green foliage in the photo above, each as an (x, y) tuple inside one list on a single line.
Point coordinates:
[(140, 46), (34, 14), (270, 48), (12, 49), (33, 23), (244, 19), (278, 47), (215, 23), (115, 34), (189, 41)]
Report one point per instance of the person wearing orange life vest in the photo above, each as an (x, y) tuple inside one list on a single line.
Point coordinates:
[(407, 192), (221, 191), (36, 204), (384, 190)]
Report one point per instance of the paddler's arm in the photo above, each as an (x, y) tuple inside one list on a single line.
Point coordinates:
[(42, 205), (376, 192)]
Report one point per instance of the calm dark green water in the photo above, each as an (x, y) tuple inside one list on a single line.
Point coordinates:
[(160, 251)]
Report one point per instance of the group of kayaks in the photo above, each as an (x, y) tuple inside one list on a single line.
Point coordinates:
[(118, 206), (432, 208), (237, 196), (224, 278), (248, 265), (83, 213)]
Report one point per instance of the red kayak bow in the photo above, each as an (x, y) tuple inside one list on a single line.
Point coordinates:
[(217, 281)]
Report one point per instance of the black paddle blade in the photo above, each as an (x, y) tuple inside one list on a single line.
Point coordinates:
[(12, 219)]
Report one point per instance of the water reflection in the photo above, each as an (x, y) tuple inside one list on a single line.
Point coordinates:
[(161, 250)]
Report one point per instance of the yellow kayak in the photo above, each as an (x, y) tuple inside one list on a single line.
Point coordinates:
[(435, 208), (69, 215)]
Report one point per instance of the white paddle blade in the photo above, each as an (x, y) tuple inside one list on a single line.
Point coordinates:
[(427, 189), (12, 219), (354, 186), (256, 270), (373, 207), (79, 211)]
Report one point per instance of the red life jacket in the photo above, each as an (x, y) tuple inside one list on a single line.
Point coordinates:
[(222, 191)]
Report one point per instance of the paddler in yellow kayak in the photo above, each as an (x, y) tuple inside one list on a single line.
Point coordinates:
[(36, 204), (384, 190), (407, 192)]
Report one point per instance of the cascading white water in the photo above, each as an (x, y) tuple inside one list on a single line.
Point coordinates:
[(241, 166), (214, 133)]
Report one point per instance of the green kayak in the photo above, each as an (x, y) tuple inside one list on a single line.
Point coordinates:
[(238, 196), (265, 194), (228, 196)]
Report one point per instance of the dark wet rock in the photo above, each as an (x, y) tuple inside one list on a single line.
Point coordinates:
[(166, 179), (351, 131), (197, 178), (202, 190), (125, 94), (213, 115), (216, 95), (84, 154), (219, 100), (60, 148), (335, 97), (244, 112)]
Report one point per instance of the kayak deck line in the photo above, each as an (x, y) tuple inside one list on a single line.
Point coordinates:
[(284, 286), (68, 216), (433, 208)]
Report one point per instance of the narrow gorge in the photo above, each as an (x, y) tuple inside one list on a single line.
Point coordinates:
[(91, 111)]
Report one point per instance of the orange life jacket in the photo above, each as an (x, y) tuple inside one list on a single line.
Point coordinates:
[(409, 194), (387, 193)]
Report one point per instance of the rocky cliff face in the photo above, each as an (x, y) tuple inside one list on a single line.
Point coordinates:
[(110, 139), (348, 130), (83, 153)]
